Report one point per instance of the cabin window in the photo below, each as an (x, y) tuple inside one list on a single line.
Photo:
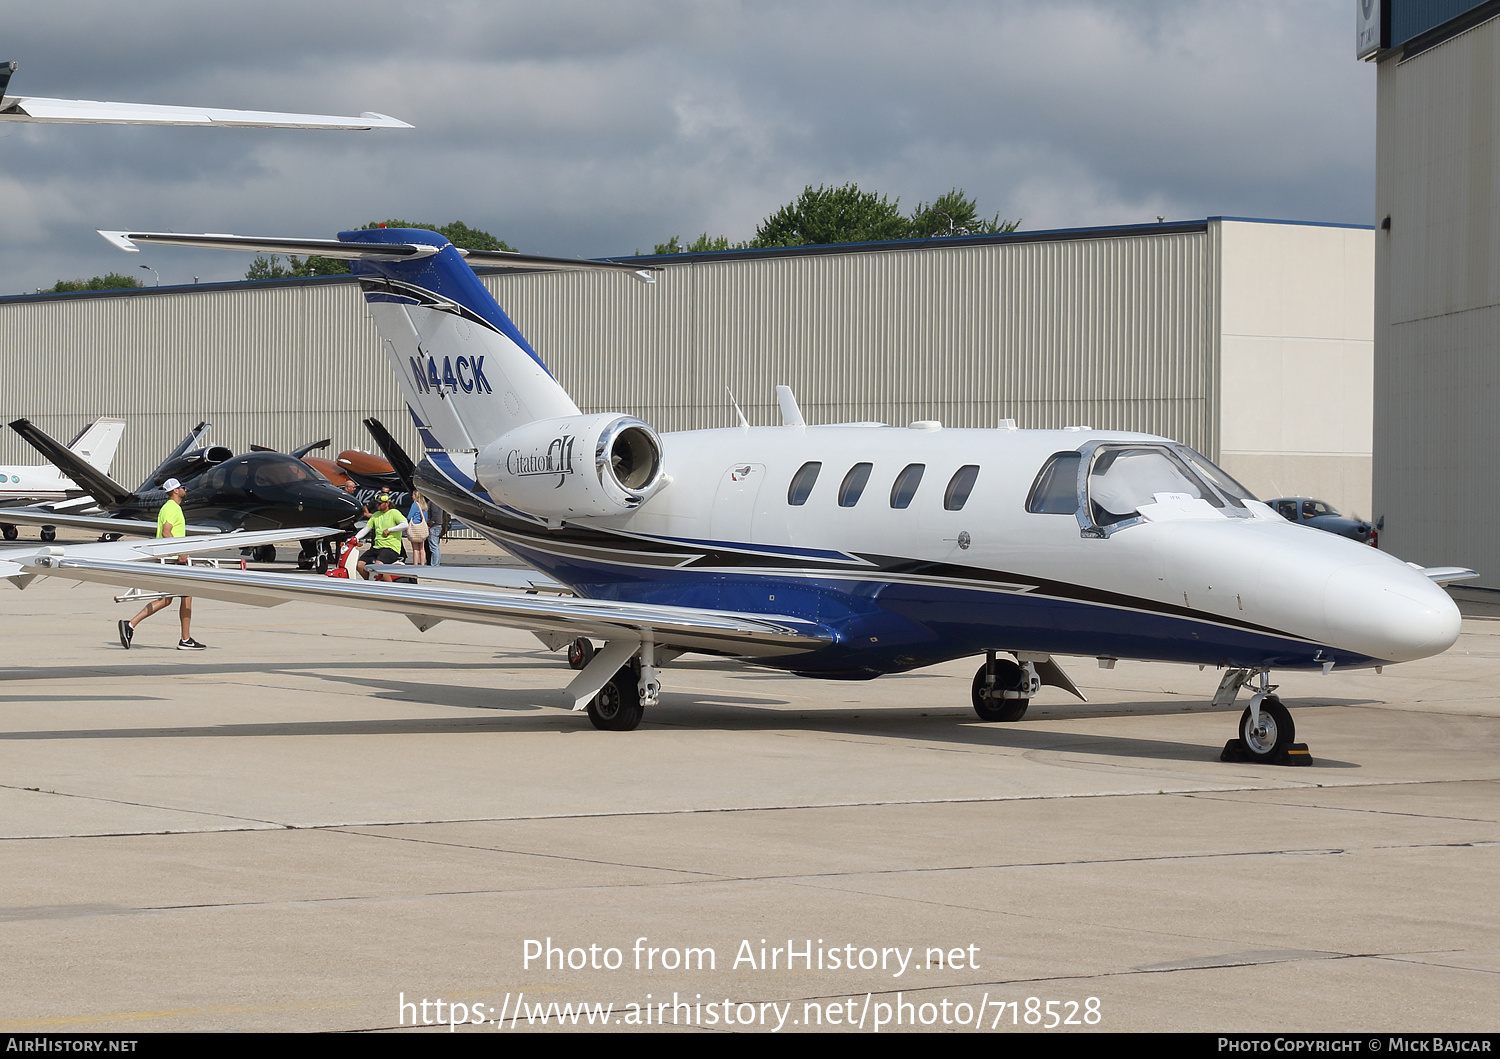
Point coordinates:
[(959, 487), (1055, 491), (906, 485), (802, 483), (854, 484)]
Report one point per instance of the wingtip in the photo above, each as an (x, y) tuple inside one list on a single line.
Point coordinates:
[(119, 239)]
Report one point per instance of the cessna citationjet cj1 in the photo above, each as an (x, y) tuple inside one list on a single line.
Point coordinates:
[(842, 552)]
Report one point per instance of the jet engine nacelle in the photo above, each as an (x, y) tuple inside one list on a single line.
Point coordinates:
[(573, 467), (191, 464)]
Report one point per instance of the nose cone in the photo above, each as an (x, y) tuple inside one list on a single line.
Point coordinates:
[(1389, 612)]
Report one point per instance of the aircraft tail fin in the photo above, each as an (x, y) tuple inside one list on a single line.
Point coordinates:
[(395, 455), (98, 441), (465, 370), (89, 478), (194, 440)]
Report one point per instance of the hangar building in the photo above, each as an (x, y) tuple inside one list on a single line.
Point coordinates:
[(1250, 340), (1437, 258)]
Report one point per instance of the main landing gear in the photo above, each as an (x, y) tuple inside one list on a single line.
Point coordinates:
[(617, 682), (1266, 733), (1003, 688)]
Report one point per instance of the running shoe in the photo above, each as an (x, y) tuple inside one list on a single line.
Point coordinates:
[(191, 644), (126, 632)]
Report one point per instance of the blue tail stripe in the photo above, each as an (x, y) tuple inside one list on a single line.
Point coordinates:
[(445, 273)]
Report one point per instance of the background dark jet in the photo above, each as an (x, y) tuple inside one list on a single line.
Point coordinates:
[(253, 491)]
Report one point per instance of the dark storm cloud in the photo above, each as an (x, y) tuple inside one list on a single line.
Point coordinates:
[(598, 127)]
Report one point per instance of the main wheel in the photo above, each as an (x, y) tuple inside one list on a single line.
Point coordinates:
[(320, 562), (1276, 731), (1008, 677), (265, 553), (11, 533), (580, 653), (617, 707), (49, 533)]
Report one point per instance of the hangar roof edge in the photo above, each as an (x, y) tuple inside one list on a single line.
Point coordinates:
[(821, 250)]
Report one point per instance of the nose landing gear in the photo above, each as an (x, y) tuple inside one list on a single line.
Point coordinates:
[(1267, 732)]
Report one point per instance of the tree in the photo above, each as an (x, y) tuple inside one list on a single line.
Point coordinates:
[(954, 214), (456, 232), (113, 281), (846, 214), (699, 245), (832, 215)]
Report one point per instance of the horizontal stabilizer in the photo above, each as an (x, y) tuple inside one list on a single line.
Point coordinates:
[(362, 251)]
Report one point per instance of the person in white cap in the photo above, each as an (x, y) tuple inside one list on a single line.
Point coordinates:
[(169, 523)]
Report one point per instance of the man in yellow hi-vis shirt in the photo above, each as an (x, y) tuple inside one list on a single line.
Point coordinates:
[(169, 523)]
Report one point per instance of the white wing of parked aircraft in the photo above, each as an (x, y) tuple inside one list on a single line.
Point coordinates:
[(15, 561), (840, 552), (38, 108)]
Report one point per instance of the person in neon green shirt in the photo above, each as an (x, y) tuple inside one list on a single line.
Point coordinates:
[(386, 526), (169, 523)]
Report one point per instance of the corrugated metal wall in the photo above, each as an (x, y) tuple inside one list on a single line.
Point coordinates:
[(1115, 332), (1437, 373)]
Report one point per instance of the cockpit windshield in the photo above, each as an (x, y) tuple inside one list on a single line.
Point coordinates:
[(1123, 480), (283, 471), (1231, 489)]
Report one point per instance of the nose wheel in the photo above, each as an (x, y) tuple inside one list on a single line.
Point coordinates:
[(1267, 735), (1271, 733)]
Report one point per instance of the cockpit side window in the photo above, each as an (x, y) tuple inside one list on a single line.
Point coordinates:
[(802, 483), (959, 487), (1123, 480), (854, 484), (1055, 491)]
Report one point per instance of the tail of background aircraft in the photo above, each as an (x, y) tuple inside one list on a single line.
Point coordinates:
[(466, 372), (194, 440), (98, 441), (85, 475)]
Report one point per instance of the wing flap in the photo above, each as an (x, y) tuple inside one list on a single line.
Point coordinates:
[(717, 632)]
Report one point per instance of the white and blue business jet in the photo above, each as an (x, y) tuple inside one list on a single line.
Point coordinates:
[(842, 552)]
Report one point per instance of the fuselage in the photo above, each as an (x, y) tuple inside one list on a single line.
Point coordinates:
[(970, 557), (32, 484)]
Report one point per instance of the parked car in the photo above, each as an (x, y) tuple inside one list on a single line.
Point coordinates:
[(1306, 511)]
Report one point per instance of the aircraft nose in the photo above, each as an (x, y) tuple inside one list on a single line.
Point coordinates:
[(1389, 612)]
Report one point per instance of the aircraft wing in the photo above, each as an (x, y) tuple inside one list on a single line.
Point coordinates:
[(36, 108), (713, 631), (13, 560), (41, 516), (522, 580)]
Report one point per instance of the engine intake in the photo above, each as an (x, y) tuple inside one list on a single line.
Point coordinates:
[(573, 467)]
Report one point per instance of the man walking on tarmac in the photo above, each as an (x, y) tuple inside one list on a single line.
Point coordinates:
[(169, 523)]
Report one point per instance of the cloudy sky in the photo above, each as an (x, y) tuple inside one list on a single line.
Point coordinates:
[(596, 127)]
